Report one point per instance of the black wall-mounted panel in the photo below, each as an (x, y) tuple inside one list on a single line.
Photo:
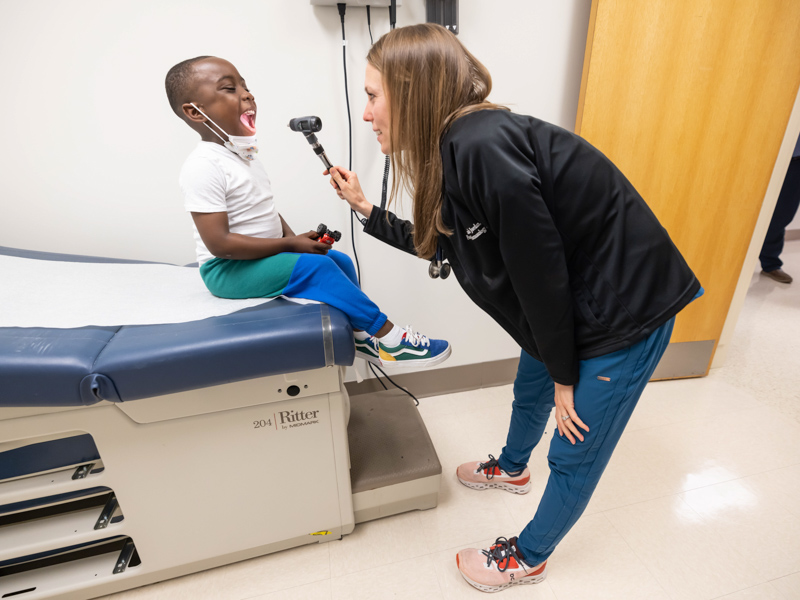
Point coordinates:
[(443, 12)]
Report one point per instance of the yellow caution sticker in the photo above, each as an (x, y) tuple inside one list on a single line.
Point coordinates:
[(320, 533)]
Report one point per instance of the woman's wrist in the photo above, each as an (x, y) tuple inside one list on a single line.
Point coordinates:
[(365, 208)]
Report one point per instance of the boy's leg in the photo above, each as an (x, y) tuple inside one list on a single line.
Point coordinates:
[(318, 277), (237, 279), (345, 264), (605, 406)]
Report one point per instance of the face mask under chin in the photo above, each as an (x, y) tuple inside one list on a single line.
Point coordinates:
[(245, 146)]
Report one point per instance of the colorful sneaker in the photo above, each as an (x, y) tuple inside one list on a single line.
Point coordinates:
[(499, 567), (368, 350), (482, 476), (415, 350)]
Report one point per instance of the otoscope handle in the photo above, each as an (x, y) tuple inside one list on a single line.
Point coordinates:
[(307, 126), (324, 158), (319, 150)]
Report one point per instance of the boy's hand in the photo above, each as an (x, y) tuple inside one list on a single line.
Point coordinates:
[(307, 243)]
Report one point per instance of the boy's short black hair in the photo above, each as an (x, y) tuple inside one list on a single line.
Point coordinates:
[(179, 82)]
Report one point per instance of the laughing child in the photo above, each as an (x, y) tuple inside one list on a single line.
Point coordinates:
[(244, 247)]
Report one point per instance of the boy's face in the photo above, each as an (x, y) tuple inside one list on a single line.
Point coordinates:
[(222, 94)]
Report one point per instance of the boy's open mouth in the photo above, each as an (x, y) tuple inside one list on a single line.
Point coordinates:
[(248, 119)]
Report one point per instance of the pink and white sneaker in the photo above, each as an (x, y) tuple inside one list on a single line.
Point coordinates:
[(499, 567), (485, 475)]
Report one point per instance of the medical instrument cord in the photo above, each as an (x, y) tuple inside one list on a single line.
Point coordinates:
[(400, 387), (378, 377), (392, 16), (342, 8), (392, 25)]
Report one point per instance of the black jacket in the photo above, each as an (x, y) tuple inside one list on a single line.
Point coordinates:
[(551, 240)]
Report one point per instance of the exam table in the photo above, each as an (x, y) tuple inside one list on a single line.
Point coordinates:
[(137, 453)]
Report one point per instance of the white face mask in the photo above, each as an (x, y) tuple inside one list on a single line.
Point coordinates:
[(245, 146)]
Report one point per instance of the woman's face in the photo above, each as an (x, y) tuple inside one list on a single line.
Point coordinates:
[(377, 110)]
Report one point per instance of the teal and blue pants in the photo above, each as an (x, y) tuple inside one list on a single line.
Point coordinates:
[(605, 407), (329, 278)]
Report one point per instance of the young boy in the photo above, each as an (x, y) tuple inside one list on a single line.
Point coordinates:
[(244, 246)]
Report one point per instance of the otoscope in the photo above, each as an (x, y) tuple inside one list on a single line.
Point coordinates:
[(308, 126)]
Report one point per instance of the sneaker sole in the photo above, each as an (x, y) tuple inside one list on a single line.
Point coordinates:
[(499, 588), (371, 359), (500, 485), (415, 363)]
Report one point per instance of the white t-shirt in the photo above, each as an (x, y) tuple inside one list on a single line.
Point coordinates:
[(214, 179)]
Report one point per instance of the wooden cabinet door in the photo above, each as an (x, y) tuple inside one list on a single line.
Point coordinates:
[(691, 99)]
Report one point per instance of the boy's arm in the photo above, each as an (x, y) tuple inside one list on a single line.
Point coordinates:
[(213, 228), (287, 231)]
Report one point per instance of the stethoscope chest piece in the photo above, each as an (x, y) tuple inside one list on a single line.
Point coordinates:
[(438, 269)]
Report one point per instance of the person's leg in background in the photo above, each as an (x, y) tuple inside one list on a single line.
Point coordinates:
[(785, 211), (605, 397)]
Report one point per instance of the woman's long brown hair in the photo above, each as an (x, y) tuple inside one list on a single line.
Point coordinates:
[(429, 80)]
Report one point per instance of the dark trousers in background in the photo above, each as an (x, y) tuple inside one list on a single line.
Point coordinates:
[(785, 210)]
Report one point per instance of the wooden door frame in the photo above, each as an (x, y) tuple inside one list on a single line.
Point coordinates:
[(759, 233)]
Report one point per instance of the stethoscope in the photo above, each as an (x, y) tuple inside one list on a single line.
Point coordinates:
[(438, 268)]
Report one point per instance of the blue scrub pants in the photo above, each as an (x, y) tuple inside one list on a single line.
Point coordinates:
[(605, 407)]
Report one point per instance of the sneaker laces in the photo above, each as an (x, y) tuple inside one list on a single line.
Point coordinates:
[(490, 465), (370, 341), (500, 552), (415, 339)]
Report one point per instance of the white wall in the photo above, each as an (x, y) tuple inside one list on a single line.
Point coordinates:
[(795, 224), (92, 150)]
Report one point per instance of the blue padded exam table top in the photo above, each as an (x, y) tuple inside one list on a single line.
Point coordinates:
[(82, 366)]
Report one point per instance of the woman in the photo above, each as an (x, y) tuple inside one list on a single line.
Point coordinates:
[(546, 235)]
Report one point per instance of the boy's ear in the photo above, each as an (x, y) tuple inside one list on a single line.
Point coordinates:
[(192, 114)]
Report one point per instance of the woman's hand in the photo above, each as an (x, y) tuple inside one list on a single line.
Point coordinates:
[(347, 187), (306, 243), (565, 407)]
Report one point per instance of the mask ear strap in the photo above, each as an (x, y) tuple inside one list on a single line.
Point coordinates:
[(207, 125)]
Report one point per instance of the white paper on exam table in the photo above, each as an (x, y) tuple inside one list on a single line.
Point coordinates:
[(59, 294)]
